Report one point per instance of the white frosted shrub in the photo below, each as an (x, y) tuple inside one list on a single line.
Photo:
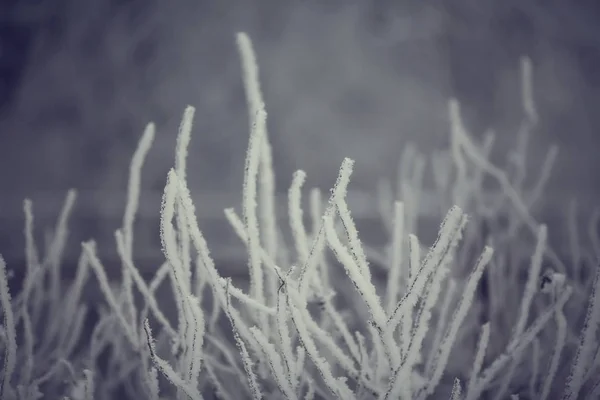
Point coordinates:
[(454, 319)]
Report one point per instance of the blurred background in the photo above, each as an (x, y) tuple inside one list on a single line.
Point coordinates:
[(79, 80)]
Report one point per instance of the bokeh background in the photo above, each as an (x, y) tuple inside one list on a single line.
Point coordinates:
[(80, 79)]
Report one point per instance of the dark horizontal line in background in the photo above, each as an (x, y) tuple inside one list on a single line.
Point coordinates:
[(47, 204), (223, 243)]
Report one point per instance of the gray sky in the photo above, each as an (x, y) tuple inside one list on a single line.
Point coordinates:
[(341, 79)]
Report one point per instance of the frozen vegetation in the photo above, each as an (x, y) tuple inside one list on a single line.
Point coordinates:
[(489, 310)]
